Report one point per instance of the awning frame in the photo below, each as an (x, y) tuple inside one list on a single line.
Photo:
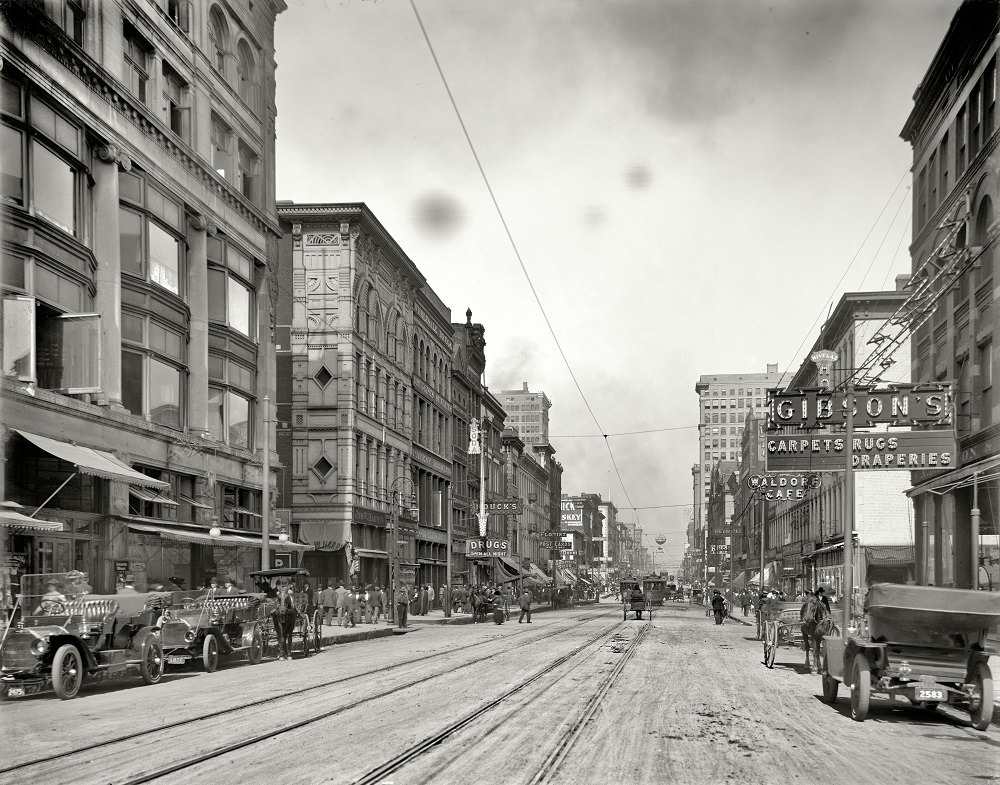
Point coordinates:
[(90, 461), (985, 470)]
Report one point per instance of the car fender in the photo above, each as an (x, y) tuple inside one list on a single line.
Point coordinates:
[(140, 638)]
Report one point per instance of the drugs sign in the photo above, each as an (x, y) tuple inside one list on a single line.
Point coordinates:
[(486, 546)]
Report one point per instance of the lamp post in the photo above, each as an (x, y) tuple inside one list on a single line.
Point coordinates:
[(392, 544), (265, 517)]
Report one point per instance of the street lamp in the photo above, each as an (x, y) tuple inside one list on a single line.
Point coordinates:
[(392, 543), (215, 531)]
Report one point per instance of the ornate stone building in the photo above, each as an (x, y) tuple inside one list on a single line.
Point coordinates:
[(138, 234)]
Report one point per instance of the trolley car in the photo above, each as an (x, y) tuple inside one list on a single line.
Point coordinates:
[(655, 589)]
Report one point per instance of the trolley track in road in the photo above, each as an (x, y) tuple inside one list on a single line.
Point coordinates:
[(561, 746), (276, 700)]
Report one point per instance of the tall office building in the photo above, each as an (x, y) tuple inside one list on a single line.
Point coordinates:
[(528, 414), (723, 402)]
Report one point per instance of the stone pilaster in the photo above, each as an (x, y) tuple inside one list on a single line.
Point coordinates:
[(199, 229)]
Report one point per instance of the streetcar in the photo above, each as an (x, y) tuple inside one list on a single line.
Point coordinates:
[(655, 589)]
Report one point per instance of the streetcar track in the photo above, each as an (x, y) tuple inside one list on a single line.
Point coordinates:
[(378, 774), (284, 697)]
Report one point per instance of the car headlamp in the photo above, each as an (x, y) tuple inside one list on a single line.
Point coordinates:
[(39, 646), (189, 636)]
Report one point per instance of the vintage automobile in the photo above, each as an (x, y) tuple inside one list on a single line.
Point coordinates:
[(197, 628), (62, 635), (926, 644)]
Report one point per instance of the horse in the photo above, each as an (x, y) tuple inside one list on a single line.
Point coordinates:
[(816, 623)]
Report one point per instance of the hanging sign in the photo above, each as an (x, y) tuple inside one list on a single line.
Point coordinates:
[(904, 451), (897, 405), (486, 546)]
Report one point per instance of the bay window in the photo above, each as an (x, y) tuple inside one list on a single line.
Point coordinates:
[(150, 236), (55, 350), (153, 374), (40, 158), (230, 291), (230, 401)]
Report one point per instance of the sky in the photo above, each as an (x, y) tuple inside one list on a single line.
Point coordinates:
[(655, 190)]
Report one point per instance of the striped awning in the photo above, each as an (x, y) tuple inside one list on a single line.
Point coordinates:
[(889, 555), (17, 521), (89, 461)]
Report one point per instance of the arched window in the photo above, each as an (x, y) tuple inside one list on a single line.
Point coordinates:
[(218, 37), (246, 73), (984, 218)]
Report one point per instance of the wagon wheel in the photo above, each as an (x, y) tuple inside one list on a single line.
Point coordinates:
[(770, 643), (981, 711), (307, 636), (861, 688), (317, 625), (760, 627)]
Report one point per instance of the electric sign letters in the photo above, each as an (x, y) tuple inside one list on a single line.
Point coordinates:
[(927, 404)]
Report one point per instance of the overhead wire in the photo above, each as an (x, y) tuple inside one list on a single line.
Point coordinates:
[(514, 247)]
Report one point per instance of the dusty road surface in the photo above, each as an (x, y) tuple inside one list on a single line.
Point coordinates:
[(578, 696)]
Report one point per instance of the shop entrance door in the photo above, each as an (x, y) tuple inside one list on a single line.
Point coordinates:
[(53, 554)]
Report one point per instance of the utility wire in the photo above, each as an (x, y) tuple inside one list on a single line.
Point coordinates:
[(847, 269), (513, 244)]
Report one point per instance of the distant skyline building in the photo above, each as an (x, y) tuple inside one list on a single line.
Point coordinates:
[(527, 413), (723, 402)]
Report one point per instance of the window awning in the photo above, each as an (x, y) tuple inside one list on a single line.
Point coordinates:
[(984, 470), (509, 566), (889, 555), (95, 462), (193, 503), (538, 572), (150, 496), (202, 537), (243, 511), (15, 520), (369, 553)]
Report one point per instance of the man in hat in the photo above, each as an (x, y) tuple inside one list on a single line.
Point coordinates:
[(718, 606), (176, 584)]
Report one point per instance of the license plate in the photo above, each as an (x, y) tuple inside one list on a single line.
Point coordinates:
[(176, 660), (929, 695), (15, 692)]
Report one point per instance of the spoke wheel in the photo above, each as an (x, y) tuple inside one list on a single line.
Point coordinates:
[(318, 631), (67, 672), (256, 651), (981, 708), (770, 644), (151, 666), (861, 688), (210, 653)]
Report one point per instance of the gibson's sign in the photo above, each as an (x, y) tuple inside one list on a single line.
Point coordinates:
[(898, 405), (908, 451)]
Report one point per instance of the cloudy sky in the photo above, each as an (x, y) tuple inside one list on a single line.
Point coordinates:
[(672, 188)]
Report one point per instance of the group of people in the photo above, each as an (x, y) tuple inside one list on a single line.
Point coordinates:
[(351, 606)]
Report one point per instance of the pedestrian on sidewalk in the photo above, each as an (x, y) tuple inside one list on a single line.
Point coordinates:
[(430, 596), (402, 600), (352, 608), (524, 603), (328, 602), (380, 603), (745, 602), (423, 599), (718, 606), (341, 593), (498, 614)]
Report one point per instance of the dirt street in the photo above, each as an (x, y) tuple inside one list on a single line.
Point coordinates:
[(579, 696)]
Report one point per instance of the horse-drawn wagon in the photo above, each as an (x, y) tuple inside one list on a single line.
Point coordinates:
[(783, 625), (307, 626), (634, 600), (923, 643)]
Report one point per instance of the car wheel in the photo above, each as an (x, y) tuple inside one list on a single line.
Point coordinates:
[(861, 688), (981, 711), (151, 665), (67, 672), (256, 651), (830, 688), (210, 653)]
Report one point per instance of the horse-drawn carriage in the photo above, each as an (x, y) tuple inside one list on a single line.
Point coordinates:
[(782, 624), (634, 600), (308, 624), (923, 643)]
